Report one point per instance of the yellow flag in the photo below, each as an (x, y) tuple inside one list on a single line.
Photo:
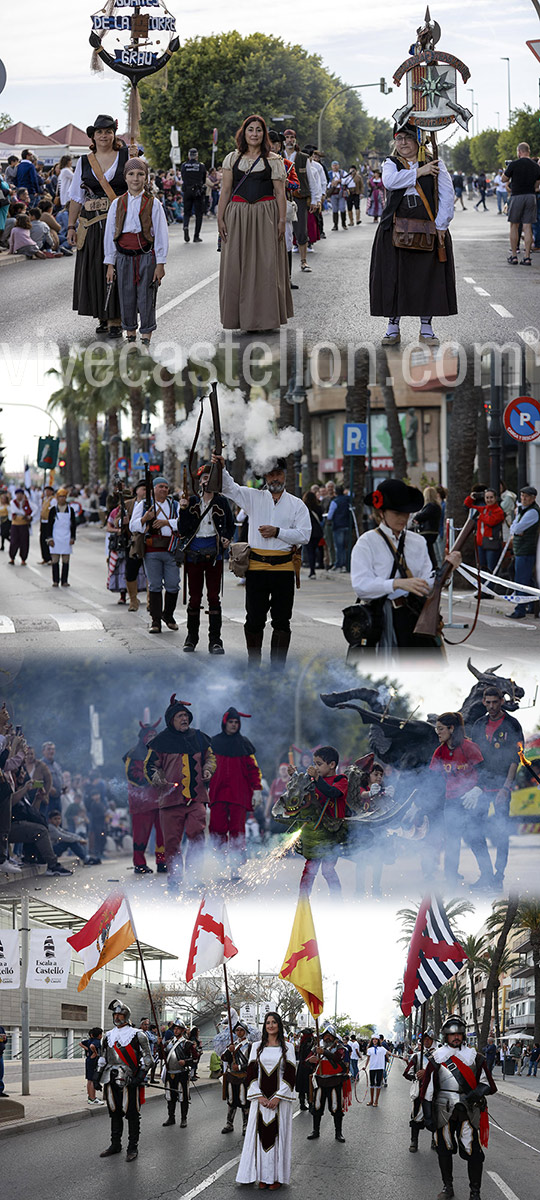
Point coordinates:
[(302, 966)]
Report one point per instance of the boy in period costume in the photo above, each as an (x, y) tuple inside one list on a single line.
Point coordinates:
[(136, 245)]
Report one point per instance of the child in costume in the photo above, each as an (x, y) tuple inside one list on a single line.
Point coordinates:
[(136, 245)]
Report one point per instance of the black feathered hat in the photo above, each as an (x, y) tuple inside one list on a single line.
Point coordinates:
[(408, 127), (396, 495)]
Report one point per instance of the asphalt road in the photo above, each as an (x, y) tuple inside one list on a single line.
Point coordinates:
[(497, 302), (35, 618), (179, 1164)]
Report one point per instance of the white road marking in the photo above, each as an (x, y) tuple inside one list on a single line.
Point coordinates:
[(482, 291), (36, 572), (328, 620), (185, 295), (468, 279), (210, 1179), (500, 309), (75, 622), (6, 625), (77, 596), (506, 1191)]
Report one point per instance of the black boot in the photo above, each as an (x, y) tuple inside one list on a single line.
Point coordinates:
[(254, 643), (56, 574), (229, 1124), (168, 610), (336, 223), (114, 1148), (447, 1191), (65, 573), (344, 220), (215, 644), (279, 646), (338, 1122), (193, 622), (316, 1129), (154, 604), (413, 1148), (171, 1105)]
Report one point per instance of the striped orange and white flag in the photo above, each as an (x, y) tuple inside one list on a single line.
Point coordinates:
[(106, 935)]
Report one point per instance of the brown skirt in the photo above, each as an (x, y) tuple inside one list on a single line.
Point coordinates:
[(254, 288)]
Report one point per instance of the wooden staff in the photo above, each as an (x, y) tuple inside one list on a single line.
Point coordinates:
[(227, 997)]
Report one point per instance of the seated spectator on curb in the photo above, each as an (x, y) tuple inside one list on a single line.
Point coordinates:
[(21, 241), (62, 839)]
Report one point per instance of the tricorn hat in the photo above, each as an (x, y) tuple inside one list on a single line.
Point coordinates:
[(396, 495)]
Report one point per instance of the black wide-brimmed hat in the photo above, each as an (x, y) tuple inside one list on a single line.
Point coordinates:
[(396, 495), (104, 121)]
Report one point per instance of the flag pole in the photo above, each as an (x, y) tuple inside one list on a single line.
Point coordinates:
[(143, 968), (228, 1000), (423, 1017)]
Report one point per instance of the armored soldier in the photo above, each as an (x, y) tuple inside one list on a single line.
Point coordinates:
[(331, 1083), (414, 1072), (453, 1091), (236, 1059), (175, 1075), (123, 1065)]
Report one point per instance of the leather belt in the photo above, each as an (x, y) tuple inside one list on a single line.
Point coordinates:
[(266, 558)]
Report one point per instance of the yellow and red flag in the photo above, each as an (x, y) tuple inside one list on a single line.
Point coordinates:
[(106, 935), (302, 966)]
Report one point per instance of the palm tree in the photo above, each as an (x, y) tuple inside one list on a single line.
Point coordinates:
[(408, 916), (502, 966), (356, 400), (474, 948), (79, 400), (528, 922), (502, 919)]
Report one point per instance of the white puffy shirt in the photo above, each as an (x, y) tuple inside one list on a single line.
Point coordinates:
[(372, 562), (393, 178), (132, 224), (288, 513)]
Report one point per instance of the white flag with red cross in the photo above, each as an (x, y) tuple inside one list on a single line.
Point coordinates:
[(211, 942)]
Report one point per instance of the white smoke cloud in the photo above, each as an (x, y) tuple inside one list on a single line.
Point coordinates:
[(249, 424)]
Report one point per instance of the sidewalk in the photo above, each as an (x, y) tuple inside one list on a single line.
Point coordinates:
[(523, 1089), (57, 1101)]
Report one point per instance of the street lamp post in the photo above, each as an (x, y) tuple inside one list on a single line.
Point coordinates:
[(505, 58), (471, 90), (350, 88)]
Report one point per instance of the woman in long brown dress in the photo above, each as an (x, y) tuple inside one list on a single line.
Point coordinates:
[(98, 179), (254, 289)]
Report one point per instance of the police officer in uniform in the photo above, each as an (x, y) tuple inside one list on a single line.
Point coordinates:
[(193, 190), (453, 1091), (123, 1065), (177, 1067)]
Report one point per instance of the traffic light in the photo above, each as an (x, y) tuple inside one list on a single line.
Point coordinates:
[(61, 463), (384, 87)]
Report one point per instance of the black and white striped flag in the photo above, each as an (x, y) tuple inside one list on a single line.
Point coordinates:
[(434, 956)]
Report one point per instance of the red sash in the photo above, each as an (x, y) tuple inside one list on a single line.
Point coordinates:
[(130, 1058), (470, 1079)]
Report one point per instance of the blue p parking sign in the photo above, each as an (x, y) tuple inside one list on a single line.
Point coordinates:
[(354, 439)]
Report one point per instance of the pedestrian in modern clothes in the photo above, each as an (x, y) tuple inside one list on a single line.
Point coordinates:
[(523, 175), (524, 532)]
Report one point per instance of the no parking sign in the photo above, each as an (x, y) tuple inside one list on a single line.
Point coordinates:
[(521, 419)]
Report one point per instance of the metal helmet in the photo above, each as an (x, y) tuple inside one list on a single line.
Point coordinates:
[(429, 1033), (453, 1024), (178, 1023), (117, 1007)]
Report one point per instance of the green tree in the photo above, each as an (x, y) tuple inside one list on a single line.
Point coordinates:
[(525, 127), (461, 156), (221, 79), (484, 150), (379, 141), (500, 922), (5, 120), (474, 948)]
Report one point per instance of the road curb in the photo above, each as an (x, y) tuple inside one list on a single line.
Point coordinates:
[(73, 1118), (528, 1105)]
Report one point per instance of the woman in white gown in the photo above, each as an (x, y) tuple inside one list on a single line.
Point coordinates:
[(271, 1074)]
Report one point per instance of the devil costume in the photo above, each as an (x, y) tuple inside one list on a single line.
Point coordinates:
[(175, 764), (175, 1075), (237, 777), (266, 1155), (143, 800), (453, 1090), (331, 1085), (234, 1079), (123, 1065)]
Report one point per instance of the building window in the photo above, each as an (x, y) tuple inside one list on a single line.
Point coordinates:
[(74, 1012)]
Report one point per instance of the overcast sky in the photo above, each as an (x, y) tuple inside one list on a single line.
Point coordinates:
[(50, 84)]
